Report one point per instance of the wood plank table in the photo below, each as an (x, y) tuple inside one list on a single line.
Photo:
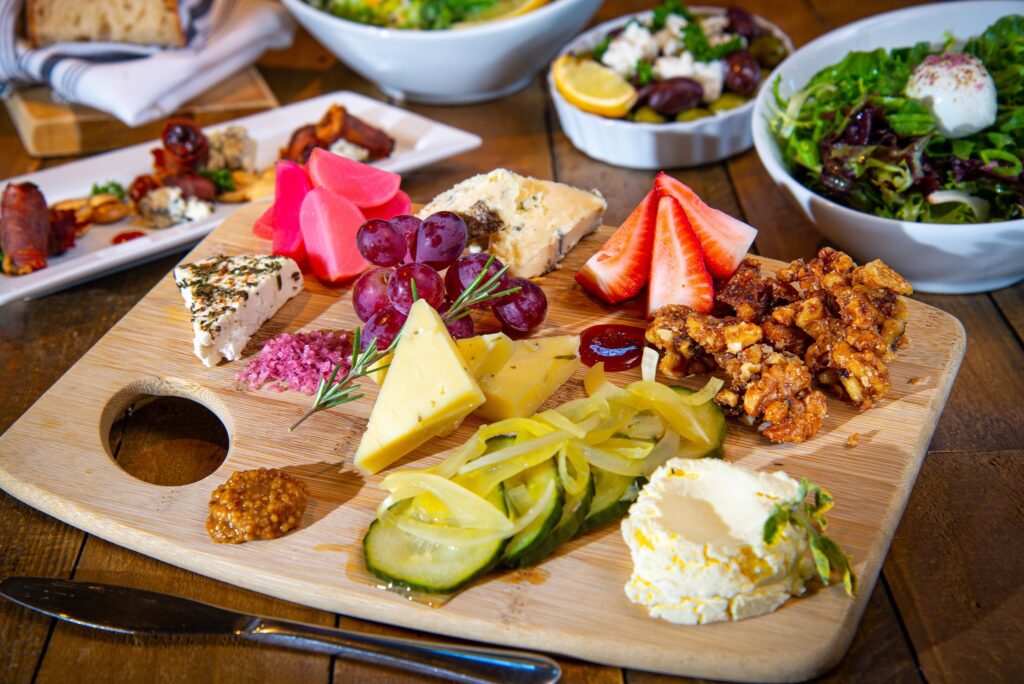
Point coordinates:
[(950, 605)]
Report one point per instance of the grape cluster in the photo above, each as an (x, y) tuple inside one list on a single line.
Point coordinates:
[(410, 253)]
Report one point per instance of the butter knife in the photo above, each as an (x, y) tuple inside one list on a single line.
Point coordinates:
[(135, 611)]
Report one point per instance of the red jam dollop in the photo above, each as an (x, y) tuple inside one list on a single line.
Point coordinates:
[(620, 347), (126, 236)]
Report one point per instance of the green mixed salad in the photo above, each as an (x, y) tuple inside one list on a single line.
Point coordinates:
[(405, 14), (853, 135)]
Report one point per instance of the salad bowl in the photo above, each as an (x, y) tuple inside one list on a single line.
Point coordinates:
[(450, 66), (946, 258), (673, 144)]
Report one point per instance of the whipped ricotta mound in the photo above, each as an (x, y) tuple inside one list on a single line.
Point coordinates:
[(696, 537)]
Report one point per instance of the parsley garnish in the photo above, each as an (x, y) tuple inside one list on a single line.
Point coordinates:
[(644, 72), (810, 515), (108, 188), (666, 8), (598, 52), (221, 178)]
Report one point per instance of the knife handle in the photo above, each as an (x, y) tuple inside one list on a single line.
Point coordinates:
[(448, 661)]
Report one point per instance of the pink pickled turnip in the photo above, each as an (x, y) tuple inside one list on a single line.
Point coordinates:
[(396, 206), (264, 225), (329, 225), (291, 187), (362, 184)]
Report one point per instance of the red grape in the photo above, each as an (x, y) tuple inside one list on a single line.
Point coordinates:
[(441, 239), (460, 328), (460, 274), (383, 326), (380, 243), (527, 309), (429, 286), (370, 292), (407, 226)]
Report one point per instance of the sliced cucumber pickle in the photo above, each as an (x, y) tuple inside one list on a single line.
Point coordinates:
[(613, 495), (535, 482), (574, 511), (400, 558), (712, 418)]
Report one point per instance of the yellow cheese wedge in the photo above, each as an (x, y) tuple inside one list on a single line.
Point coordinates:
[(484, 355), (536, 368), (427, 393)]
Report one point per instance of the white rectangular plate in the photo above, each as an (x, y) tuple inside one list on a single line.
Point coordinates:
[(418, 142)]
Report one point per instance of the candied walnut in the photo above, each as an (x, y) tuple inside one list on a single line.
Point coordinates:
[(256, 504), (785, 338), (823, 320), (796, 419), (721, 334), (778, 382), (748, 293), (681, 356), (863, 377), (877, 275)]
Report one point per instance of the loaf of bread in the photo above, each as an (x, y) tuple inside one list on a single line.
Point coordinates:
[(143, 22)]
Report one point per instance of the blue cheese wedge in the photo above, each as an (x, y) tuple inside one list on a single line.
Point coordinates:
[(528, 224), (166, 206), (231, 297), (695, 534)]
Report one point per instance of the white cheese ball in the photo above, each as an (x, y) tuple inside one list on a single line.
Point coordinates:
[(958, 91), (695, 534)]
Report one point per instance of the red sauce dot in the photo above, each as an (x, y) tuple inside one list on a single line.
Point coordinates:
[(620, 347), (126, 236)]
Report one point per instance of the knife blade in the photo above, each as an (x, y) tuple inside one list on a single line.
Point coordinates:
[(127, 610)]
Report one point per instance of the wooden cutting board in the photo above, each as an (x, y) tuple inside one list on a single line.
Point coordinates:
[(49, 128), (57, 458)]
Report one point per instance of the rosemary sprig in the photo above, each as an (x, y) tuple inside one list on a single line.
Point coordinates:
[(810, 515), (332, 392)]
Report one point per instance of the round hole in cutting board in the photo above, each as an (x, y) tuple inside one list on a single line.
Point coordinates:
[(167, 440)]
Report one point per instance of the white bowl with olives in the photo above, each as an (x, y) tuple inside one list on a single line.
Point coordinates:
[(692, 107)]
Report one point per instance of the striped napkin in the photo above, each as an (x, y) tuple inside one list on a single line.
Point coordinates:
[(138, 84)]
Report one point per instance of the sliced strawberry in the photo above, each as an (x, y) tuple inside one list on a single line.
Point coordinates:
[(621, 267), (724, 239), (678, 275)]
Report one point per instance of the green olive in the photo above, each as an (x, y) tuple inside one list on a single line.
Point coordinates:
[(768, 50), (647, 115), (693, 114), (727, 101)]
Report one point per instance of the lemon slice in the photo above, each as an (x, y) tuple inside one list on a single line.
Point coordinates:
[(503, 9), (592, 87)]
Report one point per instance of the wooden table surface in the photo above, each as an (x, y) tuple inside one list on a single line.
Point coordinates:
[(950, 603)]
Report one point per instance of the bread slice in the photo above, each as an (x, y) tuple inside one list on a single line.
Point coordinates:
[(529, 224), (142, 22)]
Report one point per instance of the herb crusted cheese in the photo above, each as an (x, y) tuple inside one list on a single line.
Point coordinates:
[(528, 224), (229, 298)]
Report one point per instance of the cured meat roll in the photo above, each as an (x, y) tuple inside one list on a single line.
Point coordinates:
[(24, 228)]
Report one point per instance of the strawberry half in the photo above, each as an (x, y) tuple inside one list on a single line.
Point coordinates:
[(621, 267), (724, 239), (678, 275)]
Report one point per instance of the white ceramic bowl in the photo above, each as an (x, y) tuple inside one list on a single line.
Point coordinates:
[(654, 145), (934, 257), (457, 66)]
